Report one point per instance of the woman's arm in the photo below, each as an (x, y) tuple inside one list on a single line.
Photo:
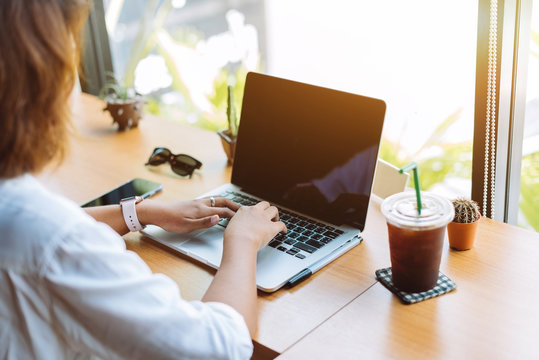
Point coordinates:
[(106, 302), (175, 216), (110, 215), (235, 282), (250, 229)]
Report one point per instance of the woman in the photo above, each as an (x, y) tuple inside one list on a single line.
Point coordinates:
[(69, 288)]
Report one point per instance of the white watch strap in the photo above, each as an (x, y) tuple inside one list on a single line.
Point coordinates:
[(129, 212)]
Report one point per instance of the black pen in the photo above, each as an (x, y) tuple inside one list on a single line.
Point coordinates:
[(305, 273)]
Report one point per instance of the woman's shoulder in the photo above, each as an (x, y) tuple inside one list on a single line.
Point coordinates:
[(34, 221), (29, 208)]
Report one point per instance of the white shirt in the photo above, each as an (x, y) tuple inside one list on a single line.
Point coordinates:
[(70, 290)]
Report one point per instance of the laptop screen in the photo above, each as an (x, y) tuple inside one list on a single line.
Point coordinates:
[(308, 148)]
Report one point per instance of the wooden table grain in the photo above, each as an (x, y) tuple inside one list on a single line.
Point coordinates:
[(493, 314)]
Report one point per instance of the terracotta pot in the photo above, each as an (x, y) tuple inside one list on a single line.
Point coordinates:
[(127, 113), (229, 144), (461, 236)]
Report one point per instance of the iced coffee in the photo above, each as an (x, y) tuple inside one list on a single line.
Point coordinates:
[(416, 240)]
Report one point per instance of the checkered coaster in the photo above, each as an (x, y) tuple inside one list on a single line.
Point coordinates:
[(443, 286)]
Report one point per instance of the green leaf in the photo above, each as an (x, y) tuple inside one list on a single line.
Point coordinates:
[(529, 189)]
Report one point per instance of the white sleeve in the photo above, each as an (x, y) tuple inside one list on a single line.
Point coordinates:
[(105, 301)]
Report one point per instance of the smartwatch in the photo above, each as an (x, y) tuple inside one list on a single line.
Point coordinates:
[(130, 212)]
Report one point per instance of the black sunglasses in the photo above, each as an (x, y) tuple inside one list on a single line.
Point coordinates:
[(181, 164)]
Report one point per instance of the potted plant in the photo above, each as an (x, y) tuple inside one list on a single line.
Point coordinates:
[(461, 231), (228, 136), (123, 103)]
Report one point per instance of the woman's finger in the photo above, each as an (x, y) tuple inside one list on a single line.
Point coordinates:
[(202, 223), (223, 212), (219, 201), (227, 203), (281, 227), (263, 205), (204, 211), (273, 213)]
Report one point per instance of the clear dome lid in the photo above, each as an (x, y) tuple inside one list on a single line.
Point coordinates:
[(401, 210)]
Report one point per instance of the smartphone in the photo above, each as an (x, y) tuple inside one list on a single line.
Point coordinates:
[(135, 187)]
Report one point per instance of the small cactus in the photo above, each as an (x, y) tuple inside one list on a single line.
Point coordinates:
[(466, 211), (231, 113)]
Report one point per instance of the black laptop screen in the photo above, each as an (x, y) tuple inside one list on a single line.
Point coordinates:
[(308, 148)]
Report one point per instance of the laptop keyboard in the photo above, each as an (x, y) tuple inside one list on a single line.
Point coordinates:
[(304, 236)]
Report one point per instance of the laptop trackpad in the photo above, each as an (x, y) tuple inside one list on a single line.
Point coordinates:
[(206, 245)]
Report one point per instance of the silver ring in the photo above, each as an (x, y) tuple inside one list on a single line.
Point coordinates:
[(212, 201)]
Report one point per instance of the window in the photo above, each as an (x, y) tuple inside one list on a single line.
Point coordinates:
[(413, 55), (528, 216), (417, 56), (528, 199), (511, 188), (183, 54)]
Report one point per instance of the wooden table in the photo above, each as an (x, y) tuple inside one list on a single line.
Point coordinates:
[(493, 314), (341, 311)]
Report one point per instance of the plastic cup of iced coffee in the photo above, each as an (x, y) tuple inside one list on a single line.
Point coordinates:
[(416, 238)]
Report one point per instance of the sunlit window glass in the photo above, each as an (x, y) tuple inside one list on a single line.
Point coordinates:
[(528, 216), (418, 56)]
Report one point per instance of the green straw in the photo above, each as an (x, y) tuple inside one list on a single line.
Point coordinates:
[(413, 166)]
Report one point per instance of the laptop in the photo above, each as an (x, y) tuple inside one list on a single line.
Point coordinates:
[(309, 150)]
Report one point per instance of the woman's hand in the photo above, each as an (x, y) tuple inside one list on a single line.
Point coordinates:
[(235, 282), (253, 225), (185, 216)]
